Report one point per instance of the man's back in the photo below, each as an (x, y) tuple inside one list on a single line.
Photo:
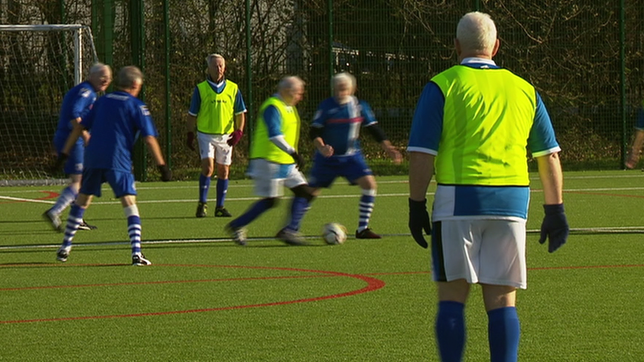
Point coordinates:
[(115, 122)]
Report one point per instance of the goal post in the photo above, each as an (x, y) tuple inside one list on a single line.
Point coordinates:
[(38, 65)]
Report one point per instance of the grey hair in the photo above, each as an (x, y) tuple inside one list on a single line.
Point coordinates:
[(212, 56), (290, 82), (344, 77), (476, 32), (98, 67), (127, 76)]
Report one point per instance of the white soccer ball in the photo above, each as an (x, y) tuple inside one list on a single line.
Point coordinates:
[(334, 233)]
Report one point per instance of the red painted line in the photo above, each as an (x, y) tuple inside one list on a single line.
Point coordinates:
[(50, 195), (372, 285)]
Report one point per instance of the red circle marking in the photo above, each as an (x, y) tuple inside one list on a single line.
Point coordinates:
[(373, 284)]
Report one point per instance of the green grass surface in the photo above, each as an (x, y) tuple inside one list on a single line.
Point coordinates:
[(207, 299)]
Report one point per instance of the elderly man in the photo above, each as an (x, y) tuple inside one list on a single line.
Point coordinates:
[(217, 112), (335, 131), (275, 163), (116, 120), (76, 104), (472, 125)]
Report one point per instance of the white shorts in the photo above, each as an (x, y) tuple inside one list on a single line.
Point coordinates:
[(486, 251), (215, 146), (271, 178)]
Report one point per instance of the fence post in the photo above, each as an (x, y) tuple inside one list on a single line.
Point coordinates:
[(622, 71), (137, 29)]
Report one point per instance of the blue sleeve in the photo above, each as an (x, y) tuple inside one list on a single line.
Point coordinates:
[(82, 102), (240, 106), (144, 121), (273, 121), (427, 125), (368, 116), (319, 119), (195, 102), (88, 120), (542, 139), (639, 122)]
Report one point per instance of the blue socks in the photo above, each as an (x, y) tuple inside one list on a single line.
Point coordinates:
[(133, 228), (252, 213), (73, 220), (222, 189), (367, 201), (299, 207), (503, 334), (204, 187), (450, 331), (67, 196)]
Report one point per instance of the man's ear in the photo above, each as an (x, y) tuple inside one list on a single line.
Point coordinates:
[(496, 47)]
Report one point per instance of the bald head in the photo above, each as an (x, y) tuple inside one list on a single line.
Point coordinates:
[(476, 36)]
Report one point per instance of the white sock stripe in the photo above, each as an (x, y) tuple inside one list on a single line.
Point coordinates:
[(369, 192), (131, 210), (74, 220)]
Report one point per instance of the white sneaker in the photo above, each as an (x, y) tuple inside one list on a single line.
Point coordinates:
[(140, 260)]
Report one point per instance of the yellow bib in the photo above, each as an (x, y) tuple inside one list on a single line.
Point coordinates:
[(488, 115)]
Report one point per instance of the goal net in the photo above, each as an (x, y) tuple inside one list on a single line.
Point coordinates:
[(38, 65)]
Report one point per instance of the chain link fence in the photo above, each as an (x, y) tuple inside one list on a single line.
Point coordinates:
[(584, 57)]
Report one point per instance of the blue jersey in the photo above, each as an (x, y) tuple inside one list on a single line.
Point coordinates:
[(341, 124), (76, 104), (116, 121), (195, 102), (454, 201)]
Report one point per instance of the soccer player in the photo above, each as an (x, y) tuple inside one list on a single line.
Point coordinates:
[(335, 131), (116, 121), (275, 163), (76, 104), (217, 112), (472, 126)]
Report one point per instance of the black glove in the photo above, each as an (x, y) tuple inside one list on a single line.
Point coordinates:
[(299, 160), (166, 174), (554, 227), (419, 221), (58, 165)]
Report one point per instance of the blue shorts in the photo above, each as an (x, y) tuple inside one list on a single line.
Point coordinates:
[(122, 182), (326, 170), (74, 163)]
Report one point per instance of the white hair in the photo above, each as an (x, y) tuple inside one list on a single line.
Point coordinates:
[(212, 56), (98, 67), (127, 76), (290, 82), (476, 32), (342, 78)]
